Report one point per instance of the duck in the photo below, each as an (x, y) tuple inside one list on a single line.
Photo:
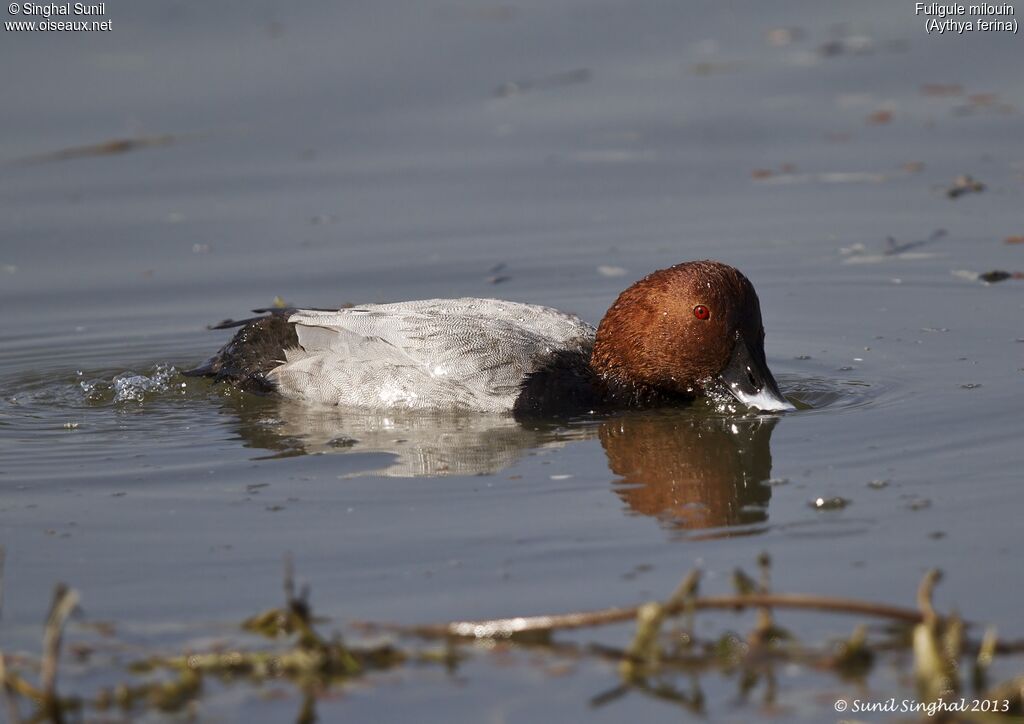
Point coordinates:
[(680, 333)]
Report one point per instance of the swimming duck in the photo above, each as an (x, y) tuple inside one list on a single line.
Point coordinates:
[(675, 335)]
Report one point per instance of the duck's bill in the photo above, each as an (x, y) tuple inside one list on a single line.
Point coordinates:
[(747, 378)]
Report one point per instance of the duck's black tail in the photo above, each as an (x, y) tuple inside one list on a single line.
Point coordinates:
[(256, 348)]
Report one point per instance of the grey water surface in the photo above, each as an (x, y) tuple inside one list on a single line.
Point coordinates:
[(548, 152)]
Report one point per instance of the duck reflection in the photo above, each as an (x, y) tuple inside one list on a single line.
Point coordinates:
[(686, 468), (691, 471), (424, 444)]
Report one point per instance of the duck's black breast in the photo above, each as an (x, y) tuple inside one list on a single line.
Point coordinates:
[(566, 385), (562, 385)]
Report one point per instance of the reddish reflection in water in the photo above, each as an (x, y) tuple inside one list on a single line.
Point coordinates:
[(691, 472)]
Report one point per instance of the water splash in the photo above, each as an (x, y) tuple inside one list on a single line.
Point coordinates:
[(131, 386)]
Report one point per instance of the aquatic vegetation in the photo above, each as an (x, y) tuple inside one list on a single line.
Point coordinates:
[(664, 659)]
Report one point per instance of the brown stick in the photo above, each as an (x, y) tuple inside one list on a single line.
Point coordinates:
[(13, 713), (64, 601), (924, 594), (507, 627)]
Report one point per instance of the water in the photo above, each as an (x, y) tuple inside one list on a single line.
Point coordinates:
[(541, 152)]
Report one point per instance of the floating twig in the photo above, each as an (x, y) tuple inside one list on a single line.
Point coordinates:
[(106, 148), (500, 628)]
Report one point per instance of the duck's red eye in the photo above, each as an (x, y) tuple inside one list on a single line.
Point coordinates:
[(701, 312)]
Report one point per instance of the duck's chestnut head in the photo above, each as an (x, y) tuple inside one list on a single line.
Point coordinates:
[(680, 331)]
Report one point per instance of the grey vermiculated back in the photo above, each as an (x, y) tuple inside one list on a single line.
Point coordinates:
[(455, 354)]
